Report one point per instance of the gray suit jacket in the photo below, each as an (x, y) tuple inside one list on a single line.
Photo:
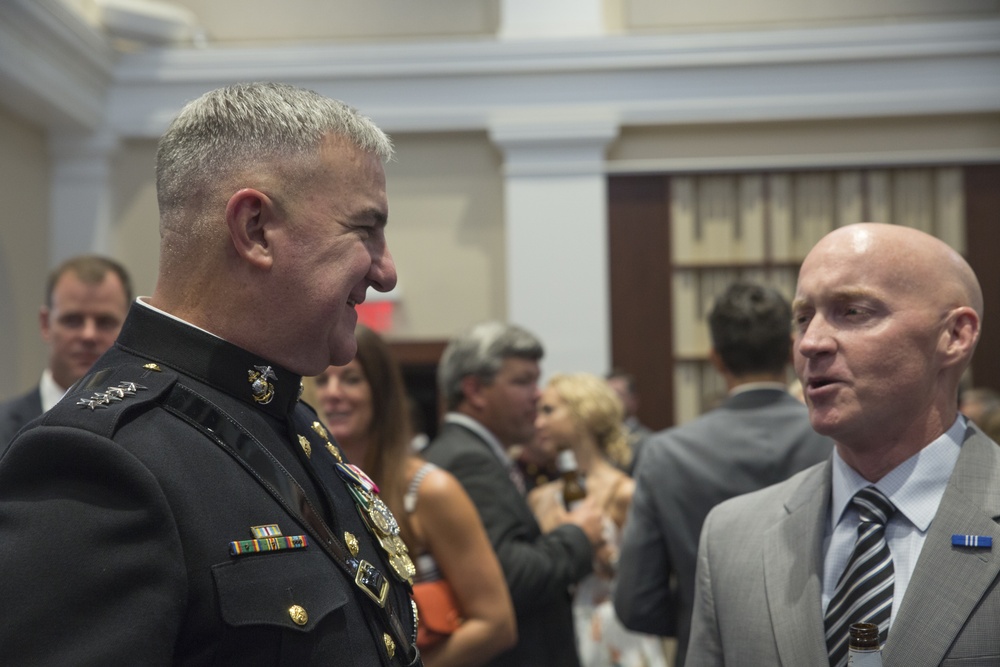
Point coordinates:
[(760, 567), (17, 412), (754, 439)]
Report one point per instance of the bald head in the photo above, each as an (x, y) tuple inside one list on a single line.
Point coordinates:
[(886, 320), (918, 261)]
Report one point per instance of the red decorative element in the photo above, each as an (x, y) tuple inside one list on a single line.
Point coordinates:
[(376, 315)]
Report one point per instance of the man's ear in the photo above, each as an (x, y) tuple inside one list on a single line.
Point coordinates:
[(716, 359), (472, 391), (44, 322), (250, 215), (961, 334)]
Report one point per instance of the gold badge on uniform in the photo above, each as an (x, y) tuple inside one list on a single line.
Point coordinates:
[(306, 447), (263, 391)]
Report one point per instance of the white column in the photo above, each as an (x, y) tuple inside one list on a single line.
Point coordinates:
[(520, 19), (555, 209), (80, 194)]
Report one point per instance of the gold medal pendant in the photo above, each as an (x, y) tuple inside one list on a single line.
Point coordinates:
[(399, 557)]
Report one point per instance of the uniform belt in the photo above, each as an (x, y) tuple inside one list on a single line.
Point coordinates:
[(239, 443)]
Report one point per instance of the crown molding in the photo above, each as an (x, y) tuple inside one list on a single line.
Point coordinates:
[(906, 69), (55, 69), (62, 74)]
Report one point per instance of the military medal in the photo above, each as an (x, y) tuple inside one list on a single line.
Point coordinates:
[(267, 538), (379, 519)]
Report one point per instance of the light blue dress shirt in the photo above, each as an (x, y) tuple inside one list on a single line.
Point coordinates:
[(915, 487)]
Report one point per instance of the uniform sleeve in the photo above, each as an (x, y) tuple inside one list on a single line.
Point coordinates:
[(644, 599), (537, 567), (705, 646), (91, 567)]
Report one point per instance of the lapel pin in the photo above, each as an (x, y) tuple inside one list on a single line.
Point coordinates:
[(981, 541)]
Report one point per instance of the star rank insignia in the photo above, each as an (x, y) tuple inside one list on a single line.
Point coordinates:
[(102, 399)]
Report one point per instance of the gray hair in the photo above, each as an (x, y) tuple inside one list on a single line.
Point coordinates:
[(230, 130), (480, 351)]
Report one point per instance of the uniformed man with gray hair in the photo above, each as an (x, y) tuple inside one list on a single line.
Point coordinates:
[(181, 506)]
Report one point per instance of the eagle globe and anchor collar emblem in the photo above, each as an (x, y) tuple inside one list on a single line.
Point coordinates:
[(263, 391)]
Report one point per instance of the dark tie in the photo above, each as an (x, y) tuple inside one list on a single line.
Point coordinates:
[(864, 591)]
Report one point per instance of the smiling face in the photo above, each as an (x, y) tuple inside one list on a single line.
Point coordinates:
[(334, 250), (555, 425), (345, 399), (82, 323), (879, 337)]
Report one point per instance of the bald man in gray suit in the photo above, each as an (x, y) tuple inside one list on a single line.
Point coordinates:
[(886, 319)]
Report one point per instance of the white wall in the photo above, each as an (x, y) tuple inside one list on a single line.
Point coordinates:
[(24, 180)]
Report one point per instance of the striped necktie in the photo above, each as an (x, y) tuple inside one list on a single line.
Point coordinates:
[(864, 591)]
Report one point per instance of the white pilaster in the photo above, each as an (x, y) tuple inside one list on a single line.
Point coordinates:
[(555, 208), (81, 194), (521, 19)]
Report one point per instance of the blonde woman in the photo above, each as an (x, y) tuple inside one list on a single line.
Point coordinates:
[(582, 414)]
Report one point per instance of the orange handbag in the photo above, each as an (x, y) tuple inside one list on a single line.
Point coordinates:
[(438, 612)]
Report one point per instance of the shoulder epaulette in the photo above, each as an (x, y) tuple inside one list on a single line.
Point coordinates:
[(99, 401)]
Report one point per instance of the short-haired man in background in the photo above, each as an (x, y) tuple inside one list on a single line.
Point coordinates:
[(758, 436), (86, 299), (489, 378)]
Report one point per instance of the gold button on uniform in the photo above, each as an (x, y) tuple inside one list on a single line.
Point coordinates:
[(390, 646), (298, 614), (352, 543)]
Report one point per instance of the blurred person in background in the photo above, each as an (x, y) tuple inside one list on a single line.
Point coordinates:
[(489, 378), (582, 414), (366, 409), (759, 435), (977, 402), (86, 300), (537, 462), (623, 385)]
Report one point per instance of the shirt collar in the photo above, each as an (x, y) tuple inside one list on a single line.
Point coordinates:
[(480, 430), (915, 486), (753, 386), (49, 390)]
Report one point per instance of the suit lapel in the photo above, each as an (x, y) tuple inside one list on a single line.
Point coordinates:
[(793, 567), (951, 580)]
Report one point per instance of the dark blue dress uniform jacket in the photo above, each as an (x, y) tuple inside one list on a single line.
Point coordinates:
[(116, 522)]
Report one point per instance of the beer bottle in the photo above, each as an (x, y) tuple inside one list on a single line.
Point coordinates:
[(863, 649), (573, 490)]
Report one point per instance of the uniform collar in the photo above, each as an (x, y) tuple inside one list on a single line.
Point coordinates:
[(171, 342)]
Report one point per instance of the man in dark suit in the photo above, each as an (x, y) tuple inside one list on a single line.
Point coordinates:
[(758, 436), (86, 299), (895, 527), (489, 378), (181, 506)]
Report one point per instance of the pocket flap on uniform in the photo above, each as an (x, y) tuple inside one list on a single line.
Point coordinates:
[(291, 590)]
